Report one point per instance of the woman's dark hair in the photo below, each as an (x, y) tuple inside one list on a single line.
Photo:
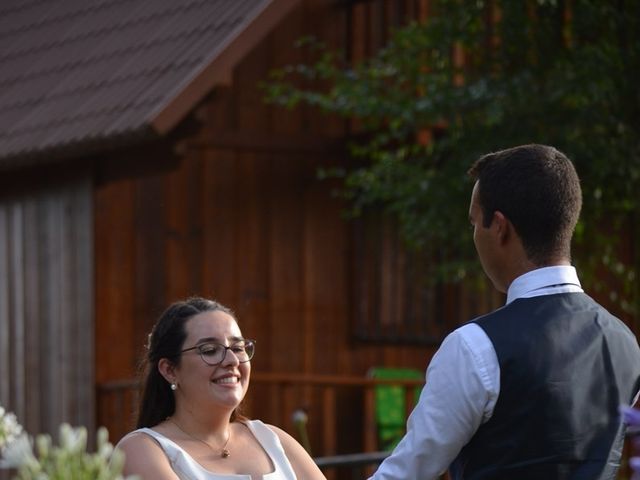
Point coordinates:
[(166, 341)]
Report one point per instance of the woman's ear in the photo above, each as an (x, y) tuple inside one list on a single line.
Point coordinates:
[(167, 370)]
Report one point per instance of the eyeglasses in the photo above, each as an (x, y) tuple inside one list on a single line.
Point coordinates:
[(215, 353)]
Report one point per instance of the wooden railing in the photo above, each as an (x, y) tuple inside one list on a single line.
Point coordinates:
[(326, 388), (340, 411), (320, 394)]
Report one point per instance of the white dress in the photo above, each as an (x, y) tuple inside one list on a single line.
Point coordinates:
[(188, 469)]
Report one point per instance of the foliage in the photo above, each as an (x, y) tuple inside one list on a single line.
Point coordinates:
[(541, 71), (67, 461)]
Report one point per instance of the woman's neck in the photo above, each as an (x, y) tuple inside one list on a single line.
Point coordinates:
[(206, 426)]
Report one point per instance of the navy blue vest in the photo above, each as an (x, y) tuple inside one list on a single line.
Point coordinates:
[(566, 364)]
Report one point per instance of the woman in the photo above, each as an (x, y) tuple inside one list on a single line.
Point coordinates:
[(188, 426)]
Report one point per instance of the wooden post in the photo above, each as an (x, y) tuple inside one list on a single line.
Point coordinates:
[(329, 424), (409, 399), (328, 420), (370, 428)]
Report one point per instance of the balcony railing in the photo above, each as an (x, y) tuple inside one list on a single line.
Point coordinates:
[(274, 397), (340, 410)]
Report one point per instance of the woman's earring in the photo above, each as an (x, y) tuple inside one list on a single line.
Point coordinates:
[(174, 387)]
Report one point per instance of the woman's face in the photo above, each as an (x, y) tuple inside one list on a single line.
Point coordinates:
[(199, 384)]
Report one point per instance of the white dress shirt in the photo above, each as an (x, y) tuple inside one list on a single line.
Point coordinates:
[(463, 384)]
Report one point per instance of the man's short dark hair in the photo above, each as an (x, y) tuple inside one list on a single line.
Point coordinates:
[(537, 188)]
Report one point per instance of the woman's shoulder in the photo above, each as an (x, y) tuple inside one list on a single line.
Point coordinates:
[(302, 463), (256, 424), (141, 440), (144, 455), (271, 433), (271, 438), (260, 429), (267, 427)]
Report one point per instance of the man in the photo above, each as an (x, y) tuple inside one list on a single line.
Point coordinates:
[(531, 390)]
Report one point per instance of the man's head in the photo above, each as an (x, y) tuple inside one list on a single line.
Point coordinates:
[(537, 190)]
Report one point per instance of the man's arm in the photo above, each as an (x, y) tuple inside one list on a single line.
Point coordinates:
[(463, 382)]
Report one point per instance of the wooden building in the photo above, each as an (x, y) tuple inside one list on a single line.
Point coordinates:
[(140, 165)]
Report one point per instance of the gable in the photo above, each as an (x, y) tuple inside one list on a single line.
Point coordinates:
[(77, 76)]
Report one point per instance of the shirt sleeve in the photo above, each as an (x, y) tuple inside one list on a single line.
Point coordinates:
[(462, 387)]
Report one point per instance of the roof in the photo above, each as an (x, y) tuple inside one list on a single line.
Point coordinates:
[(77, 75)]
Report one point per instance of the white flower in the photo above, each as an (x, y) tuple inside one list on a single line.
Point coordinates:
[(69, 459), (18, 453), (10, 429), (299, 416), (73, 439), (43, 445)]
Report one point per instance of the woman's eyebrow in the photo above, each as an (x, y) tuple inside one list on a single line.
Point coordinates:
[(233, 339), (208, 339)]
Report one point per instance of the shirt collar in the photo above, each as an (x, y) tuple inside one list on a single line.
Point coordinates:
[(541, 278)]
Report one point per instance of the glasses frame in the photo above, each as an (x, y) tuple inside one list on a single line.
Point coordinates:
[(226, 349)]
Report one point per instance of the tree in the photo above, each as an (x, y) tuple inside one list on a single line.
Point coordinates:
[(479, 76)]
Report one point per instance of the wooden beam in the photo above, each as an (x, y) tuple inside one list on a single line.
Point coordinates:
[(260, 141), (218, 70)]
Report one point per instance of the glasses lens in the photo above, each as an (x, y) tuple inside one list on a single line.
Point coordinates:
[(214, 354), (249, 349), (243, 350)]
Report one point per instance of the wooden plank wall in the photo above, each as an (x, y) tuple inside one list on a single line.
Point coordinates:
[(46, 305), (245, 220)]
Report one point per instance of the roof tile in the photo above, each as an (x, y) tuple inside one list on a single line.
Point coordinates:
[(75, 73)]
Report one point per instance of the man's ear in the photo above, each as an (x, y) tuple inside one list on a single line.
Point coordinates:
[(167, 370), (502, 225)]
